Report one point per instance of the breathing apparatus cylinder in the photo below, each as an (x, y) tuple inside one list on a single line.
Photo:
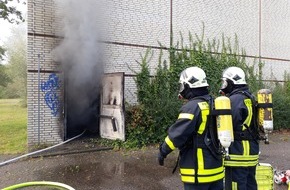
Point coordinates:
[(265, 112), (224, 122)]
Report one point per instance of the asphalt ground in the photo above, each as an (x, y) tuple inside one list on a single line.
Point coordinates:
[(85, 166)]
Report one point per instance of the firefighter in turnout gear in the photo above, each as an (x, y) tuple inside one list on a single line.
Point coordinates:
[(244, 151), (201, 165)]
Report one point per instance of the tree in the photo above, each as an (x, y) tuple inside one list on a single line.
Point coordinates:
[(2, 53), (11, 14), (4, 79), (6, 11), (16, 66)]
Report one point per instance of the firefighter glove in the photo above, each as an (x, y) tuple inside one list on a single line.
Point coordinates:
[(161, 156), (160, 159)]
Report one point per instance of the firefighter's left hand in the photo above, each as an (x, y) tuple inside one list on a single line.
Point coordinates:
[(161, 155), (160, 159)]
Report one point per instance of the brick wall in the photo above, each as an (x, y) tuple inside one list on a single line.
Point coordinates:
[(49, 129), (261, 28), (43, 126), (133, 26)]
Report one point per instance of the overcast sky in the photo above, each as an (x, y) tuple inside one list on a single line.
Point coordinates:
[(5, 26)]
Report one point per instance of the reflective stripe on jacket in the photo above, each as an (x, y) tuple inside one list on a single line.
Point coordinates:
[(197, 164), (243, 153)]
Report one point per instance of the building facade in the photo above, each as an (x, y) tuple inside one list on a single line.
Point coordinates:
[(131, 27)]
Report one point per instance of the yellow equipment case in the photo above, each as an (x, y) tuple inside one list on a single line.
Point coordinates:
[(265, 176)]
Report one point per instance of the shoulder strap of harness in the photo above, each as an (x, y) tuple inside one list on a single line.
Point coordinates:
[(209, 138), (210, 135), (253, 132)]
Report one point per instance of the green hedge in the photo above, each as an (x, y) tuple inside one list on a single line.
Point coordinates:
[(281, 104), (158, 104)]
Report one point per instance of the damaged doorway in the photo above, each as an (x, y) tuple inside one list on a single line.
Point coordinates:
[(95, 106), (112, 120), (81, 101)]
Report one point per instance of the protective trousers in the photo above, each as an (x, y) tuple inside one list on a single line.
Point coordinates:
[(217, 185), (242, 178)]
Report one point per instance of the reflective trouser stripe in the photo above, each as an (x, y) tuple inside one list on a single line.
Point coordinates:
[(186, 116), (169, 143), (234, 185), (241, 163), (203, 179), (184, 171), (244, 158)]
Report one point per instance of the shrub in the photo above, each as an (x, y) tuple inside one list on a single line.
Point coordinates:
[(281, 104), (158, 104)]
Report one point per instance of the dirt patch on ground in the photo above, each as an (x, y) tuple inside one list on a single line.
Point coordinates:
[(95, 168)]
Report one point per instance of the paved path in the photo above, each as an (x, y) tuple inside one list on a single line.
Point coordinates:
[(114, 170)]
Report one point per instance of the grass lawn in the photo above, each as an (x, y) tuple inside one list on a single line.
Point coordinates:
[(13, 127)]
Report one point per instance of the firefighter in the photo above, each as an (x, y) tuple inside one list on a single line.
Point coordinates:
[(244, 151), (201, 166)]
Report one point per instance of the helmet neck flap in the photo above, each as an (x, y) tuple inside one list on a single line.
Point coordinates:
[(189, 93)]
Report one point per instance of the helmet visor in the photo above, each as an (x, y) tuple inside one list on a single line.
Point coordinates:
[(181, 87), (224, 83)]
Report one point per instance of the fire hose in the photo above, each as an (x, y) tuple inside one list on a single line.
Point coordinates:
[(40, 183), (39, 151)]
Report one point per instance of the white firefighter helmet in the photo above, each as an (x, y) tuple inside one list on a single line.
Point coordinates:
[(193, 76), (235, 74)]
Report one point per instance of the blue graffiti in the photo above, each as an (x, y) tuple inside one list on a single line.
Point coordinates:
[(51, 98)]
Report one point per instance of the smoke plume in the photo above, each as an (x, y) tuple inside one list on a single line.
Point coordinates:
[(80, 56)]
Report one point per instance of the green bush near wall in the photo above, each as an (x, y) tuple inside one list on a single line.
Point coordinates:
[(281, 104), (158, 103)]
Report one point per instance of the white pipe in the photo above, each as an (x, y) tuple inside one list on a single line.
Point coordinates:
[(38, 100), (38, 151)]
